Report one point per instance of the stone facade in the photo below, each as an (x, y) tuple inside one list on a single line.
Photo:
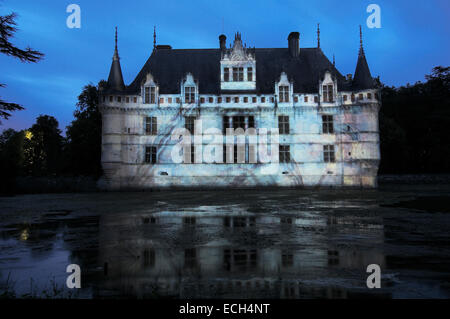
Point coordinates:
[(328, 123)]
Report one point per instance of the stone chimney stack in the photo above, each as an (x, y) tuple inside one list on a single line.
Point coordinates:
[(294, 44), (223, 42)]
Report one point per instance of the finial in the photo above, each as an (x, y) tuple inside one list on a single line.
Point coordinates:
[(116, 40), (334, 61), (154, 37), (361, 48), (318, 35)]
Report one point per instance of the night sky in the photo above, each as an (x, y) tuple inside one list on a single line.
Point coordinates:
[(413, 39)]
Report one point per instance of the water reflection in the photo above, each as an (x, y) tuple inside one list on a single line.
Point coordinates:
[(237, 254)]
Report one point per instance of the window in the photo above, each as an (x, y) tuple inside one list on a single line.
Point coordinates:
[(251, 122), (202, 100), (263, 99), (211, 100), (239, 154), (150, 154), (327, 124), (283, 124), (249, 74), (189, 122), (239, 122), (272, 99), (119, 99), (345, 98), (284, 93), (254, 99), (245, 99), (135, 99), (360, 96), (161, 100), (148, 259), (178, 100), (328, 93), (306, 99), (236, 99), (226, 74), (192, 154), (104, 98), (150, 95), (151, 126), (219, 100), (169, 100), (226, 124), (285, 153), (127, 99), (353, 97), (228, 99), (110, 98), (189, 94), (328, 153), (238, 74), (190, 258), (295, 99), (316, 99), (369, 96)]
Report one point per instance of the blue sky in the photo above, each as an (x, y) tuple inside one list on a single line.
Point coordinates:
[(413, 39)]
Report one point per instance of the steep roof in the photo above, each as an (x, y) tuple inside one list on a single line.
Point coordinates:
[(169, 67), (115, 79), (363, 79)]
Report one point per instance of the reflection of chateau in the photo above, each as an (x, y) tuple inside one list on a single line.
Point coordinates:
[(193, 255), (328, 123)]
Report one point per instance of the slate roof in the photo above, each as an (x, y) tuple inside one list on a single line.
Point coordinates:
[(170, 66), (363, 79)]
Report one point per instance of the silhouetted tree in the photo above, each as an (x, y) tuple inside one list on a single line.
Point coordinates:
[(43, 148), (7, 30), (11, 159), (84, 135)]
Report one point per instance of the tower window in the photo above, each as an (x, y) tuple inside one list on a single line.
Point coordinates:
[(328, 154), (249, 74), (328, 93), (189, 94), (327, 124), (150, 154), (285, 153), (284, 93), (283, 124), (189, 122), (226, 74), (238, 74), (151, 126)]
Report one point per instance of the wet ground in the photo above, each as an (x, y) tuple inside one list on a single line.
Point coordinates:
[(234, 244)]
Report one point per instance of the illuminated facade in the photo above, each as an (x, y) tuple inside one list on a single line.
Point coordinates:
[(327, 123)]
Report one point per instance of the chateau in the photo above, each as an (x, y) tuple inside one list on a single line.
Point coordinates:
[(240, 116)]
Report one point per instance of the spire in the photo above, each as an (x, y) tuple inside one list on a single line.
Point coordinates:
[(318, 35), (362, 79), (154, 37), (115, 79), (361, 48)]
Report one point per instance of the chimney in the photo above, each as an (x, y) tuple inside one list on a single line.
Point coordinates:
[(294, 44), (223, 42), (349, 77)]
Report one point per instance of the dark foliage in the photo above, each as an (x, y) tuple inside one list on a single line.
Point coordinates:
[(414, 123), (84, 136), (8, 27)]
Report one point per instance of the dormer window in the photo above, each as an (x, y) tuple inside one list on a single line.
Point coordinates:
[(249, 74), (284, 93), (189, 94), (226, 74), (149, 95), (238, 74), (328, 93)]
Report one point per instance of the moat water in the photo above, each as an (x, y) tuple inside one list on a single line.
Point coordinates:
[(228, 244)]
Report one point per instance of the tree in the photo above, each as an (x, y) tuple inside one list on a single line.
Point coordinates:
[(7, 30), (43, 147), (84, 135), (11, 159)]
